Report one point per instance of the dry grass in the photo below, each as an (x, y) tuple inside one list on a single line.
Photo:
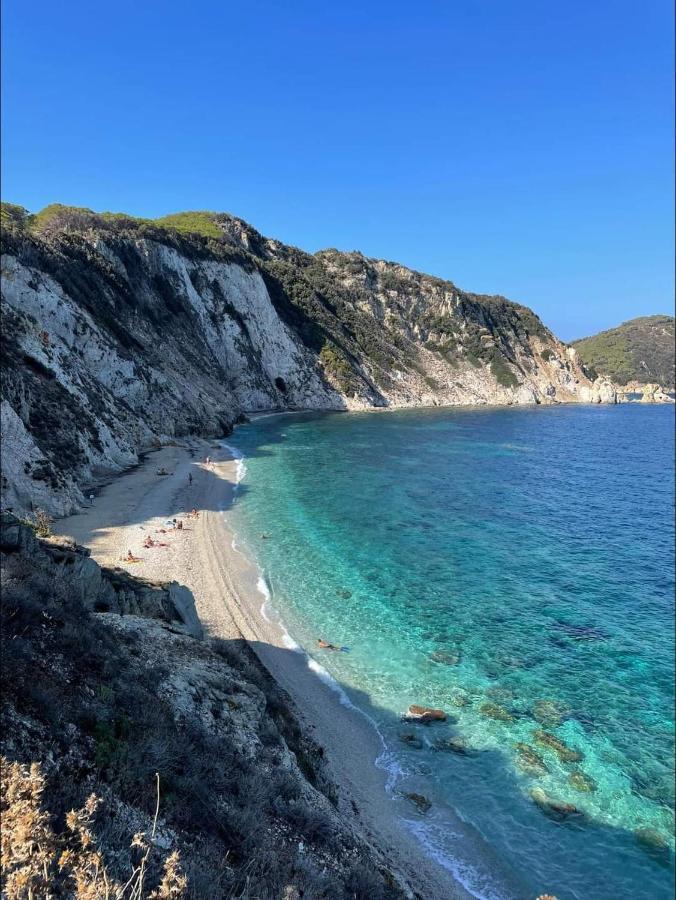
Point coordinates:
[(39, 862)]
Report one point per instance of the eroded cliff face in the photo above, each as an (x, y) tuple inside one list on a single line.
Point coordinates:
[(119, 334)]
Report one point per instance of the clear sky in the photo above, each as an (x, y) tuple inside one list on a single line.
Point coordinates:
[(520, 147)]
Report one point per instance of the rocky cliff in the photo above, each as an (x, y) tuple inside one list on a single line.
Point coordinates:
[(120, 333)]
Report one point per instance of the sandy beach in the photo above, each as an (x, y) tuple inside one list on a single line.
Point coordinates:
[(201, 556)]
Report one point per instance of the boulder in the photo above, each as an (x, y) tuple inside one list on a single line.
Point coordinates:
[(556, 809), (183, 602), (425, 714)]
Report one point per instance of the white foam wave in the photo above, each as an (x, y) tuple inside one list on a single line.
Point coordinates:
[(330, 681), (469, 877), (238, 456)]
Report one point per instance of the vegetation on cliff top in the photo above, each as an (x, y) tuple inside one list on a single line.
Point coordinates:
[(638, 350)]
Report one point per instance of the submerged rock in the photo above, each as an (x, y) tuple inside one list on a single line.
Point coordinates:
[(494, 711), (454, 744), (652, 840), (460, 700), (445, 657), (556, 809), (565, 753), (501, 694), (529, 760), (411, 740), (421, 802), (345, 594), (549, 712), (581, 782), (582, 632), (424, 714)]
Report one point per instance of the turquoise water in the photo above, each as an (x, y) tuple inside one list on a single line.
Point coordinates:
[(514, 563)]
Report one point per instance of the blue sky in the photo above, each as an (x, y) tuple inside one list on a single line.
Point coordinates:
[(514, 146)]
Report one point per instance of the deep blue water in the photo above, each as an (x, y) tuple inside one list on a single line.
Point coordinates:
[(522, 558)]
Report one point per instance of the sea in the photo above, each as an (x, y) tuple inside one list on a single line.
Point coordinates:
[(515, 568)]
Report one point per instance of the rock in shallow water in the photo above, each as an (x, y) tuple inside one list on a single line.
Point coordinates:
[(549, 712), (424, 714), (653, 840), (421, 802), (454, 744), (411, 740), (582, 782), (445, 657), (461, 700), (556, 809), (565, 753), (493, 711), (529, 760)]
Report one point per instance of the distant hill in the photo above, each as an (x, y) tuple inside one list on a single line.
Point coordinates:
[(639, 350)]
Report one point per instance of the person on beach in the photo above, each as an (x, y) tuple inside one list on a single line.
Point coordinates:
[(194, 513), (207, 461), (149, 542)]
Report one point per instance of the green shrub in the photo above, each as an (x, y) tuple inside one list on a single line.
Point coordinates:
[(337, 366), (12, 215), (203, 223), (502, 373)]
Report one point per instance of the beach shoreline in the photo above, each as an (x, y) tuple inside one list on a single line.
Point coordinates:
[(227, 588)]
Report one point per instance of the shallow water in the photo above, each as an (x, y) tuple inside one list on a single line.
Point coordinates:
[(515, 563)]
